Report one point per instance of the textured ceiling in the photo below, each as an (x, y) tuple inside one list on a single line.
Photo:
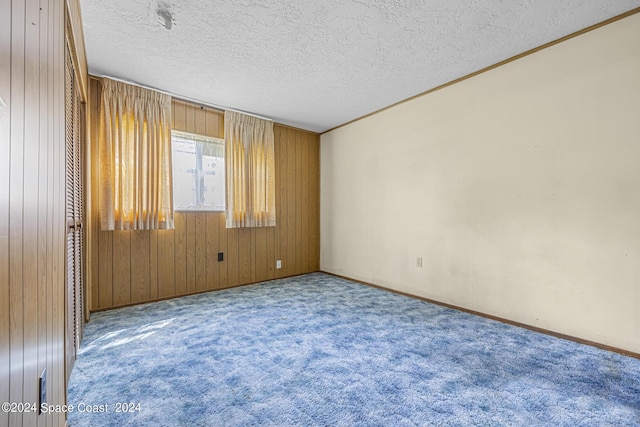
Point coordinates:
[(321, 63)]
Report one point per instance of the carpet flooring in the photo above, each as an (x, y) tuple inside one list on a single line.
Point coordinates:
[(316, 350)]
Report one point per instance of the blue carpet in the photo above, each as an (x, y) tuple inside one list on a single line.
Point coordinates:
[(316, 350)]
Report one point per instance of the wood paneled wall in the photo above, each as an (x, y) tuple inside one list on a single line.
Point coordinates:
[(32, 197), (131, 267)]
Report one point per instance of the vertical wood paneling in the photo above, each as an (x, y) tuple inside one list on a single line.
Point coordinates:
[(233, 262), (260, 261), (5, 136), (200, 244), (16, 207), (200, 117), (314, 204), (179, 115), (303, 190), (166, 256), (211, 252), (122, 267), (292, 237), (140, 244), (190, 118), (276, 231), (212, 124), (180, 236), (223, 271), (191, 254), (32, 197), (298, 141), (153, 265), (105, 268), (31, 201), (253, 255), (244, 255), (270, 256), (184, 260), (282, 207), (5, 336)]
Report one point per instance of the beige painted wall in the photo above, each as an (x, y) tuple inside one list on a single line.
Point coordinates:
[(519, 187)]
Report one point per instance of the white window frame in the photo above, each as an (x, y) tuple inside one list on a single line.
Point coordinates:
[(199, 189)]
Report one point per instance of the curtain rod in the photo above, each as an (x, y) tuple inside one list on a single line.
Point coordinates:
[(184, 98)]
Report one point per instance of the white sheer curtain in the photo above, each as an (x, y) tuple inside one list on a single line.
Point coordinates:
[(250, 168), (135, 158)]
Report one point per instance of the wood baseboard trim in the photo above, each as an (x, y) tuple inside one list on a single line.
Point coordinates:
[(499, 319)]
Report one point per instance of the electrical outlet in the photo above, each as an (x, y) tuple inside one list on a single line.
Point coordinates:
[(419, 261), (278, 264), (220, 256), (42, 389)]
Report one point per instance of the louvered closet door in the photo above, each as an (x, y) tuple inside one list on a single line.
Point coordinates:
[(74, 216)]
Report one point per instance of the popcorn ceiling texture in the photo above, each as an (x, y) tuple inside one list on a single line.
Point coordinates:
[(318, 64)]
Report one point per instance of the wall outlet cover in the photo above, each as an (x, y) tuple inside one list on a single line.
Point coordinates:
[(42, 389)]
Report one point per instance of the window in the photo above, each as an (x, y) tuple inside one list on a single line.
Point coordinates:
[(198, 172)]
